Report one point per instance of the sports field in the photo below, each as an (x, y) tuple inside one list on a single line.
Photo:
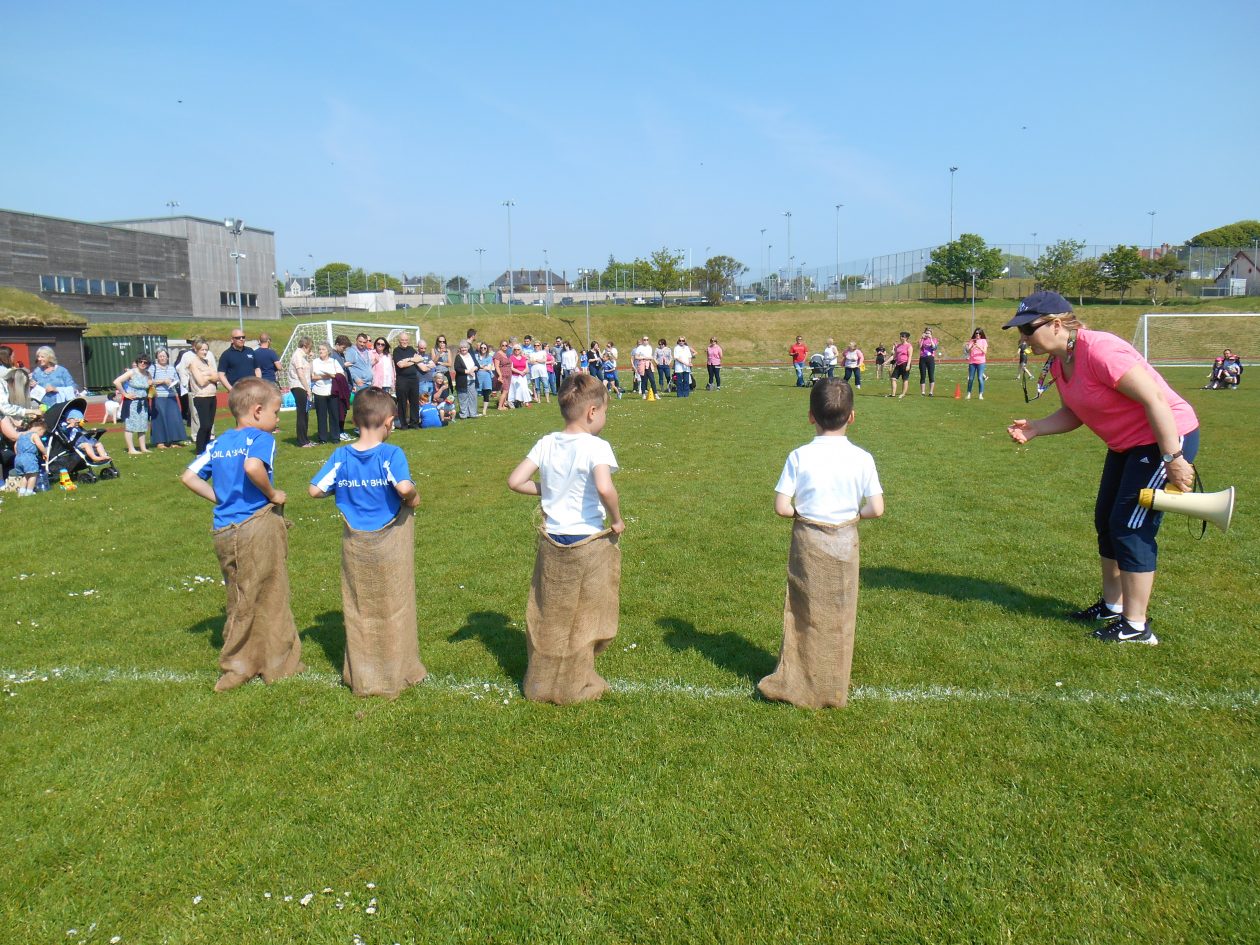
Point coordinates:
[(997, 776)]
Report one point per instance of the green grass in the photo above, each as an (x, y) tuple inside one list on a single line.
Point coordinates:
[(963, 796)]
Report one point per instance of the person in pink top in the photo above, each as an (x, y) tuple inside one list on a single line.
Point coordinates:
[(977, 349), (383, 373), (901, 365), (1152, 436), (713, 361)]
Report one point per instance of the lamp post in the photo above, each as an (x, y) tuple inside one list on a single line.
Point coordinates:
[(235, 226), (787, 215), (952, 169), (547, 283), (586, 294), (1151, 245), (509, 204), (765, 266), (838, 206), (171, 205)]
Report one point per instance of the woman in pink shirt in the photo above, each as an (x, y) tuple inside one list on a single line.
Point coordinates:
[(382, 365), (713, 361), (901, 365), (1152, 436), (977, 348)]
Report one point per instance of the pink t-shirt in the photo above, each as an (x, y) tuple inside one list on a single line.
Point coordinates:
[(927, 347), (519, 364), (1101, 359), (901, 353), (978, 351), (715, 355)]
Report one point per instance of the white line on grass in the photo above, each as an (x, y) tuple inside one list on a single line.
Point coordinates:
[(1059, 693)]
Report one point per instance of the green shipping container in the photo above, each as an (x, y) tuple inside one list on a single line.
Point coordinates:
[(109, 356)]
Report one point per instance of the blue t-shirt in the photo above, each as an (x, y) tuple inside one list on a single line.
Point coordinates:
[(266, 359), (223, 464), (237, 365), (360, 367), (363, 484), (430, 416)]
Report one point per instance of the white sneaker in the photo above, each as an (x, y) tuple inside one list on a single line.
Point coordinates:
[(982, 396), (968, 395)]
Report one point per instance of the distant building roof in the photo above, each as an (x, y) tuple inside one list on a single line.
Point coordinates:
[(530, 277)]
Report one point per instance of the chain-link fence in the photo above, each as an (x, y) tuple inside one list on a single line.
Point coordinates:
[(900, 276)]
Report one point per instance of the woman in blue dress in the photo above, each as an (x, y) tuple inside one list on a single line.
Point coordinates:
[(485, 375), (56, 381), (133, 385), (168, 425)]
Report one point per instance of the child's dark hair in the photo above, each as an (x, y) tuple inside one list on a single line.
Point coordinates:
[(577, 393), (373, 408), (831, 403), (249, 393), (37, 421)]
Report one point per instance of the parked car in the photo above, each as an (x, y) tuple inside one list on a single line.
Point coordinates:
[(620, 302), (748, 298), (537, 302), (567, 301), (516, 301), (402, 306), (640, 300)]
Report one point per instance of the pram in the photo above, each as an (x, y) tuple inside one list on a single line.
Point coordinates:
[(817, 369), (63, 454)]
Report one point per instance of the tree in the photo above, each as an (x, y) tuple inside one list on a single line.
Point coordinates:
[(1082, 277), (1121, 267), (661, 272), (1053, 268), (1165, 269), (432, 282), (456, 284), (383, 280), (280, 288), (332, 279), (1233, 234), (719, 274), (951, 263)]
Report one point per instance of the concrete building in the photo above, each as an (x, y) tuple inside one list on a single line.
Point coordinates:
[(139, 270)]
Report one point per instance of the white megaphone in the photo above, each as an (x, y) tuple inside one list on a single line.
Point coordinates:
[(1214, 507)]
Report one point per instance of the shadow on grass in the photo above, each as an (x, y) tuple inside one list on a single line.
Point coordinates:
[(493, 630), (329, 634), (966, 588), (213, 628), (727, 650)]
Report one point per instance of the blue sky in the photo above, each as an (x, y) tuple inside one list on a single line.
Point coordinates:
[(388, 135)]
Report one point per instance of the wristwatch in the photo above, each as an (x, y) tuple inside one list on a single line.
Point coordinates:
[(1169, 457)]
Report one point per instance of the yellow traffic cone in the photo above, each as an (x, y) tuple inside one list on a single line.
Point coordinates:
[(651, 394)]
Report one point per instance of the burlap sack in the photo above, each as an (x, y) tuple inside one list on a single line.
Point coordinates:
[(571, 617), (378, 593), (818, 617), (260, 637)]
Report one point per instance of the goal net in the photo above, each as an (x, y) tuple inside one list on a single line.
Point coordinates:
[(1179, 339), (327, 332)]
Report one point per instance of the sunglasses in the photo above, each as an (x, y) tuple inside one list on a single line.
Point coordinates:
[(1028, 329), (238, 337)]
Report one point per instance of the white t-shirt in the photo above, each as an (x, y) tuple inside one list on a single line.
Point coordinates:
[(831, 354), (323, 388), (682, 357), (828, 478), (642, 353), (566, 465), (568, 360)]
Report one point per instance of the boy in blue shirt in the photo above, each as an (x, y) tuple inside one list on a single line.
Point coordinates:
[(251, 539), (372, 486), (430, 414)]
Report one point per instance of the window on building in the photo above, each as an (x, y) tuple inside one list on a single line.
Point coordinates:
[(47, 283), (80, 286), (111, 287), (95, 287), (124, 290), (251, 300)]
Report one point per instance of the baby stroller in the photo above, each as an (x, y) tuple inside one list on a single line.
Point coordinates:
[(817, 369), (64, 455)]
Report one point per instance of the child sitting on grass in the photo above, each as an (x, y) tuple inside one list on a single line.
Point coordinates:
[(29, 449), (372, 485), (574, 597), (251, 539), (430, 414), (826, 486)]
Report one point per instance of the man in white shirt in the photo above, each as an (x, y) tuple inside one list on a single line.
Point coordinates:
[(682, 358)]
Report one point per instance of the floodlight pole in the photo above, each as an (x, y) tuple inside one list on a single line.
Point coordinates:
[(838, 206), (234, 226), (547, 283), (1151, 247), (951, 202), (586, 294), (787, 214), (509, 204), (765, 266)]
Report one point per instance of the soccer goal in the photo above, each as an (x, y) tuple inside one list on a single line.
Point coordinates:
[(1182, 339), (327, 332)]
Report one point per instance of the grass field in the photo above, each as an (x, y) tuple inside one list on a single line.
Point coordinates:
[(997, 777)]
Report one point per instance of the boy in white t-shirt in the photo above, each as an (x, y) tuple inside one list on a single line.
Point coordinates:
[(826, 486), (574, 596)]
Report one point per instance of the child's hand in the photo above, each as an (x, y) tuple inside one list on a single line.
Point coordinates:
[(618, 527), (1021, 431), (278, 497)]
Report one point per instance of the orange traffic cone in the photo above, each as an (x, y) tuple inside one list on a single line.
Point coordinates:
[(958, 391)]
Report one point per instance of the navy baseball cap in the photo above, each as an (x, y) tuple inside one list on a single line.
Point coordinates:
[(1038, 305)]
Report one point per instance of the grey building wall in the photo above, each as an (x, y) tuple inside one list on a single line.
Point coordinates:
[(34, 246), (211, 269)]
